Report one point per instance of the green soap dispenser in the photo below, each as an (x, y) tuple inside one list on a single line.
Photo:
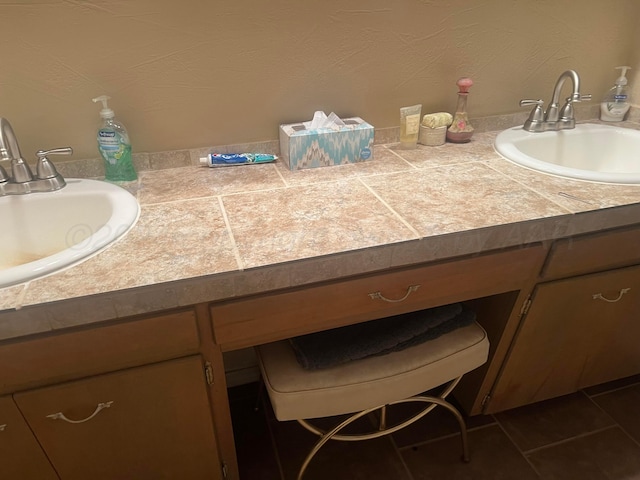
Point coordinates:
[(114, 146), (615, 103)]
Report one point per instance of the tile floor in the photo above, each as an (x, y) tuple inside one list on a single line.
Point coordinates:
[(589, 435)]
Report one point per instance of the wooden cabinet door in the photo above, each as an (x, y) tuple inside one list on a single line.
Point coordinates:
[(20, 455), (618, 353), (150, 422), (571, 338)]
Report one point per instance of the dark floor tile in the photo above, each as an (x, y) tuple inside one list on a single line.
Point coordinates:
[(551, 421), (606, 455), (256, 457), (436, 424), (493, 457), (614, 385), (624, 407), (374, 459)]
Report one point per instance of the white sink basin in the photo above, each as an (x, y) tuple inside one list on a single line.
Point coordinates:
[(599, 153), (42, 233)]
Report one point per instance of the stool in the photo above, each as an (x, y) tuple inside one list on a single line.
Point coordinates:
[(370, 384)]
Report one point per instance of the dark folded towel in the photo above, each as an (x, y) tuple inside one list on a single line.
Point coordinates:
[(377, 337)]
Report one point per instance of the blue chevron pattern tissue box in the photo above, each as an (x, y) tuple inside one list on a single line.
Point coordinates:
[(301, 148)]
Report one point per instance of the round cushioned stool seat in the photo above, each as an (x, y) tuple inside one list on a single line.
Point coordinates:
[(297, 393)]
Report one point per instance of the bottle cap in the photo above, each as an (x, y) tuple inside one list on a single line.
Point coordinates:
[(622, 79), (204, 161), (106, 112)]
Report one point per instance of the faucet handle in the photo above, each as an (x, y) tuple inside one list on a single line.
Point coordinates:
[(537, 114), (536, 117), (578, 97), (44, 168), (4, 178)]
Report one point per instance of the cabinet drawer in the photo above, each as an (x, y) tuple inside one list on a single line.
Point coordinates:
[(590, 253), (143, 423), (266, 318), (76, 354)]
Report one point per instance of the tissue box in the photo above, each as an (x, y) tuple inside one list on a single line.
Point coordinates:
[(301, 148)]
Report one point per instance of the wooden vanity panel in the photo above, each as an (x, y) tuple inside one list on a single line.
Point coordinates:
[(266, 318), (55, 358), (157, 425), (20, 453), (593, 252), (571, 338)]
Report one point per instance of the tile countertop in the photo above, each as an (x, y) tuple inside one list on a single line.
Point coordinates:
[(207, 234)]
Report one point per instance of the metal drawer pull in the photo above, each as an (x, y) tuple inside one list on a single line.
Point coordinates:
[(2, 427), (599, 296), (60, 415), (378, 295)]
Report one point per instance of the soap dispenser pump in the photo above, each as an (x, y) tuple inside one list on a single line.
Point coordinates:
[(615, 103), (114, 146)]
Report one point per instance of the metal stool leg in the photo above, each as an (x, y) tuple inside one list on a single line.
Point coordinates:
[(326, 437), (383, 429)]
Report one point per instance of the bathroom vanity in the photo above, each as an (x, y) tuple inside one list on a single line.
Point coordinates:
[(112, 370)]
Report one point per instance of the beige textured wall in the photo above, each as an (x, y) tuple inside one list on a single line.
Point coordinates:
[(204, 72), (634, 75)]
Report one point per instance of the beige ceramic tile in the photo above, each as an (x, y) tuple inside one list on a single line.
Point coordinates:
[(596, 220), (574, 195), (384, 161), (204, 289), (198, 245), (143, 300), (480, 240), (26, 321), (459, 197), (159, 186), (262, 279), (478, 148), (82, 311), (305, 222), (173, 159), (10, 297), (341, 265), (316, 175)]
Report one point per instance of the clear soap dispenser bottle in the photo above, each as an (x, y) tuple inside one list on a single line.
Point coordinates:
[(114, 146), (615, 103)]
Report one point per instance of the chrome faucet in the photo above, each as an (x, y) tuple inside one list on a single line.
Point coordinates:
[(22, 180), (554, 118)]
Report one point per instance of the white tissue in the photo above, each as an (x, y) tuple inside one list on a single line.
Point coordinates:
[(321, 120)]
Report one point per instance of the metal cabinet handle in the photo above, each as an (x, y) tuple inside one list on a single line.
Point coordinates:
[(2, 427), (378, 295), (61, 416), (599, 296)]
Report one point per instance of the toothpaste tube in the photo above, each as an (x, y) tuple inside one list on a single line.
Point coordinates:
[(231, 159)]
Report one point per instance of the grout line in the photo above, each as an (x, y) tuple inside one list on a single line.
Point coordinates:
[(510, 438), (617, 389), (528, 187), (399, 455), (19, 303), (386, 147), (567, 440), (444, 437), (407, 224), (287, 184), (234, 245), (599, 407)]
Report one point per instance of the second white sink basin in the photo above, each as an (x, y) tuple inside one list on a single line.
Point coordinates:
[(600, 153), (44, 232)]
